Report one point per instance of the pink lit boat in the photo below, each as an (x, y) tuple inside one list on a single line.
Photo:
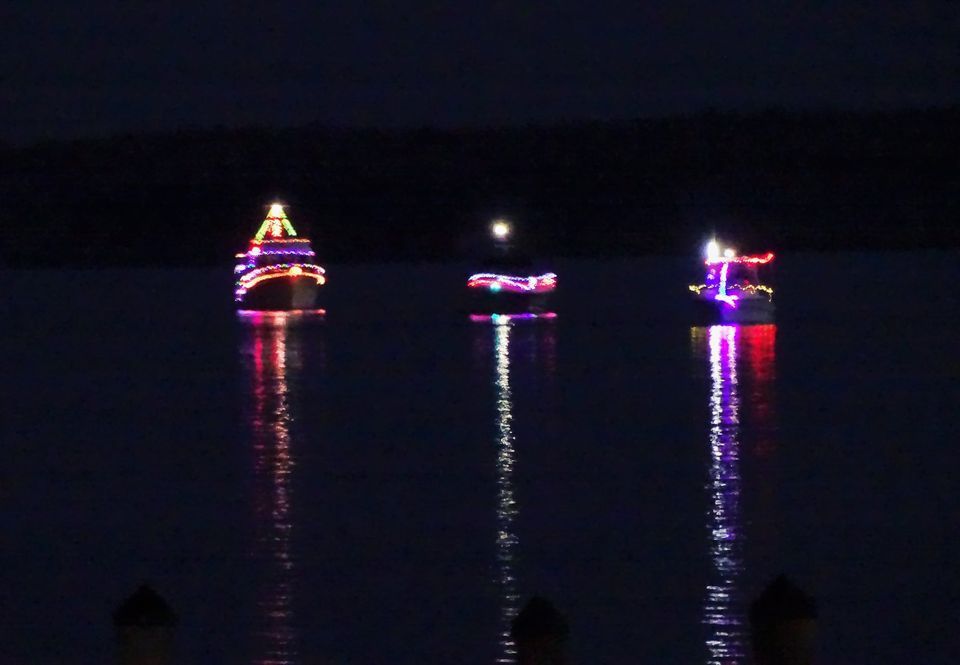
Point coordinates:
[(508, 283)]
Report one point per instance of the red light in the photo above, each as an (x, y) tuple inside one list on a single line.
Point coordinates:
[(756, 259)]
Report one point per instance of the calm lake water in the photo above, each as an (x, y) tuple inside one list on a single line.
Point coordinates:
[(389, 484)]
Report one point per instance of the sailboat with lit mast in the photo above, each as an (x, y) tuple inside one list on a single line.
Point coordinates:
[(279, 270)]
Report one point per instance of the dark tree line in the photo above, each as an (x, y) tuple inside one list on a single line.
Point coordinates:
[(775, 179)]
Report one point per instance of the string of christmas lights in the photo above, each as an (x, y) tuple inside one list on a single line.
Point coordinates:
[(748, 288), (513, 283), (503, 319), (269, 250), (276, 224), (250, 279), (756, 260)]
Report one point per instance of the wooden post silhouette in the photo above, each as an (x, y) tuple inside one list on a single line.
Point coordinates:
[(540, 632), (783, 623), (144, 625)]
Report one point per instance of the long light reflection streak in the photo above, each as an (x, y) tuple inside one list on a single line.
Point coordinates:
[(506, 502), (722, 613), (273, 464)]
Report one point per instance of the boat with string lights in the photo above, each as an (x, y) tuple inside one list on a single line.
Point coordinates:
[(509, 285), (732, 290), (279, 270)]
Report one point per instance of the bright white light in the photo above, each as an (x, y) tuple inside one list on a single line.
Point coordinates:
[(713, 250), (276, 210), (729, 253), (296, 270), (500, 229)]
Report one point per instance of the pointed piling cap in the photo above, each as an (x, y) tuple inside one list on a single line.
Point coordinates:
[(780, 602), (537, 620), (145, 608)]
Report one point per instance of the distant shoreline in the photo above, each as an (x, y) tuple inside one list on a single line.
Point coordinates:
[(788, 181)]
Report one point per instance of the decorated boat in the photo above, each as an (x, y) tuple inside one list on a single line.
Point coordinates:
[(279, 270), (509, 284), (733, 290)]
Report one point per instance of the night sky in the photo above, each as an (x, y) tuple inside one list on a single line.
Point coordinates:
[(74, 69)]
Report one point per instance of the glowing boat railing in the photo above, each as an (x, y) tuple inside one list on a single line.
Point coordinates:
[(250, 279), (751, 289), (279, 316), (759, 259), (504, 319), (513, 283)]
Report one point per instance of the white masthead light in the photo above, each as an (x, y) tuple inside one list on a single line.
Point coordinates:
[(500, 229), (713, 251)]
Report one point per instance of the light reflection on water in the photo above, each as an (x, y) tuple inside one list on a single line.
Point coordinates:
[(518, 345), (727, 346), (758, 350), (506, 502), (722, 609), (276, 359)]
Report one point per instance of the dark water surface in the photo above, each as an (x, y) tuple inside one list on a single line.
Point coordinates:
[(389, 484)]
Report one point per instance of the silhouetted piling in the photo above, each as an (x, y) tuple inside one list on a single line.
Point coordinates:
[(144, 624), (540, 633), (783, 623)]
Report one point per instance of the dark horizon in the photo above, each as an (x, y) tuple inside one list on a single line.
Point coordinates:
[(774, 180), (72, 72)]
